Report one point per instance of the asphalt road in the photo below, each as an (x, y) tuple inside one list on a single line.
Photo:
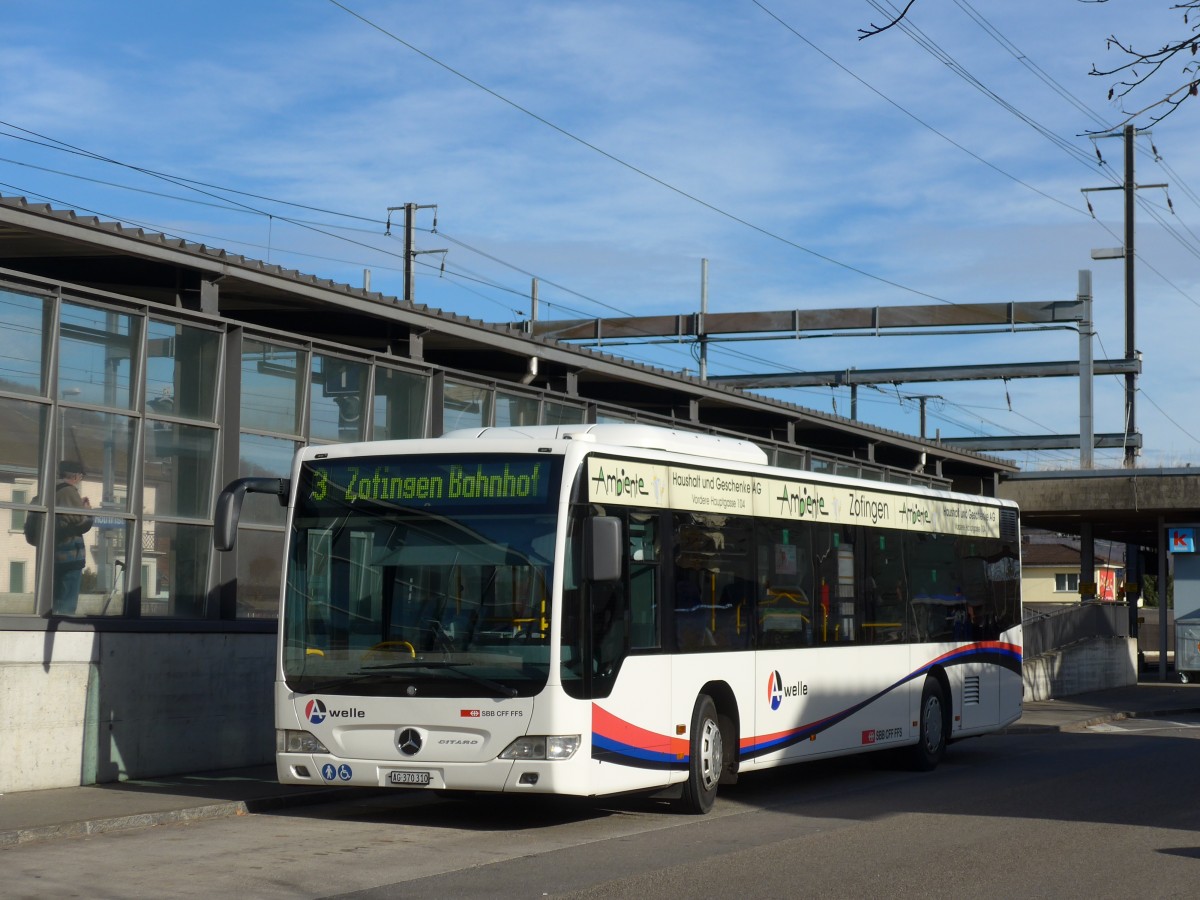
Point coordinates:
[(1112, 811)]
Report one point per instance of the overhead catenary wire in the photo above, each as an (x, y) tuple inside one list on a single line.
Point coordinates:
[(490, 286), (712, 207), (911, 114)]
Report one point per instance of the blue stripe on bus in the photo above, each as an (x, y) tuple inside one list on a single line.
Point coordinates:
[(608, 749)]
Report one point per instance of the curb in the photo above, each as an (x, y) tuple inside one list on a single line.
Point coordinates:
[(1129, 714), (224, 809), (1099, 719)]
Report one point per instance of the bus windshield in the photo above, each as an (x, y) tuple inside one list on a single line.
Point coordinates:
[(421, 576)]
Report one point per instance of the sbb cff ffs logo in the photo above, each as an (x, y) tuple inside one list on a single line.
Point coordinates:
[(777, 690)]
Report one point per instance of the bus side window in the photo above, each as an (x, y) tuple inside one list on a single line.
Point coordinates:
[(644, 552), (610, 634), (933, 582), (716, 585), (738, 600), (785, 607), (886, 598), (691, 630), (573, 661), (595, 621)]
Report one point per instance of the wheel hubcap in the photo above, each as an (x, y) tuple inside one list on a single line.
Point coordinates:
[(712, 754), (933, 724)]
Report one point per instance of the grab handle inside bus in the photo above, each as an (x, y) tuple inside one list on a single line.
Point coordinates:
[(229, 505), (603, 537)]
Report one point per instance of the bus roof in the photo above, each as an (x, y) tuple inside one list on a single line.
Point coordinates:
[(645, 437)]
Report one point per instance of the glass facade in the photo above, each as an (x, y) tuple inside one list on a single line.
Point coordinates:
[(272, 387), (466, 406), (138, 397), (338, 399), (515, 409), (20, 468), (22, 368), (179, 469), (400, 406)]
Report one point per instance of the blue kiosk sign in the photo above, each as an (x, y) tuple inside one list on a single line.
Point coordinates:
[(1181, 540)]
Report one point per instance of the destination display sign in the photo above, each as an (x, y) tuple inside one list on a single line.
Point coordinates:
[(428, 481), (635, 483)]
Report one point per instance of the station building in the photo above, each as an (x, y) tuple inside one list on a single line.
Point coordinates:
[(168, 368)]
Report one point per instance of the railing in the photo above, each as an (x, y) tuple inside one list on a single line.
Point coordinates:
[(1049, 631)]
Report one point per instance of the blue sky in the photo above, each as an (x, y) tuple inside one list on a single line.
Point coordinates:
[(607, 148)]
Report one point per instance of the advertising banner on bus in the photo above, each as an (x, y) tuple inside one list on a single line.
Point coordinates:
[(636, 483)]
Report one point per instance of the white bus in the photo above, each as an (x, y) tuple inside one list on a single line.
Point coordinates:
[(596, 609)]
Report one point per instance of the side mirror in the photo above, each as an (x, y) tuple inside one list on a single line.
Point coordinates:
[(603, 545), (229, 505)]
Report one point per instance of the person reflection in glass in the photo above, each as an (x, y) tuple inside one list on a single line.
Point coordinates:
[(70, 553)]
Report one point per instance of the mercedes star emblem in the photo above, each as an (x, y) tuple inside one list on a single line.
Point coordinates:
[(409, 741)]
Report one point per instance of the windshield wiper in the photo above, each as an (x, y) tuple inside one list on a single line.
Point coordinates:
[(502, 689), (348, 679)]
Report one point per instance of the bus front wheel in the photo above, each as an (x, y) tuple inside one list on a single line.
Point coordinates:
[(706, 760), (931, 739)]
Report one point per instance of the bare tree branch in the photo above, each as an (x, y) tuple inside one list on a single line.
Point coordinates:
[(1134, 75), (874, 29), (1171, 101), (1140, 68)]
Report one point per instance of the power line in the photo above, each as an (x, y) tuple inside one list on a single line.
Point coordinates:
[(765, 232), (911, 114), (63, 146), (1082, 107), (53, 143), (1028, 63), (937, 52)]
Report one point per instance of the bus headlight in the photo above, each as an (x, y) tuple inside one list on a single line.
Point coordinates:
[(298, 742), (550, 746)]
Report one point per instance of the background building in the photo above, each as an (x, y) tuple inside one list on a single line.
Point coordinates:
[(1050, 570)]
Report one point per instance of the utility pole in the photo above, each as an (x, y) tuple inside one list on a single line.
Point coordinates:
[(1130, 256), (921, 400), (700, 325), (410, 251), (1087, 419), (1129, 189), (1133, 554)]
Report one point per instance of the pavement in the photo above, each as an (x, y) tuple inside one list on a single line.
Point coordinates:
[(28, 816)]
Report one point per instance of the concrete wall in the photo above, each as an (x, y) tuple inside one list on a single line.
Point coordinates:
[(85, 708), (1092, 665)]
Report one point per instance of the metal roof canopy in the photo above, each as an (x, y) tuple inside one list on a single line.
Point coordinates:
[(962, 318), (1009, 315), (62, 246)]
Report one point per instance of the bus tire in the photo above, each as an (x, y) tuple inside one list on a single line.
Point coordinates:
[(706, 759), (931, 736)]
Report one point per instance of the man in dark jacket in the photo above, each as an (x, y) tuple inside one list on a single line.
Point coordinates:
[(70, 553)]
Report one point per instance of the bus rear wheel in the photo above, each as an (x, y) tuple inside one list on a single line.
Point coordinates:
[(706, 760), (931, 738)]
